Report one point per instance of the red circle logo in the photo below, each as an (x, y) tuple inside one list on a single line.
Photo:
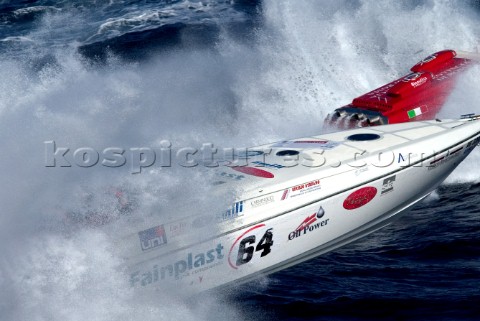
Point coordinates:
[(359, 198)]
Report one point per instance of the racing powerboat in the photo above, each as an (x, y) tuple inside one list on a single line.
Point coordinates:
[(416, 96), (297, 199)]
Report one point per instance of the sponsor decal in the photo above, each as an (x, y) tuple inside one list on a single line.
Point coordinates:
[(262, 164), (321, 144), (409, 158), (417, 111), (359, 198), (253, 171), (419, 82), (309, 224), (194, 262), (262, 201), (301, 189), (235, 211), (176, 229), (388, 184), (246, 246), (152, 238)]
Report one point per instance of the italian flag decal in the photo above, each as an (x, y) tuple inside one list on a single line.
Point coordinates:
[(416, 112)]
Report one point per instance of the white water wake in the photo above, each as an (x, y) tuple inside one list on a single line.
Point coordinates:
[(309, 58)]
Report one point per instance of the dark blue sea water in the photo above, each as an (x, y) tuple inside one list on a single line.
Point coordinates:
[(422, 267), (235, 73)]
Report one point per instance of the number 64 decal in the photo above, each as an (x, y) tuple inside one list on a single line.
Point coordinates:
[(248, 245)]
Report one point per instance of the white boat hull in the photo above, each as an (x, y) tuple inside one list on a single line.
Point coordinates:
[(278, 228)]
